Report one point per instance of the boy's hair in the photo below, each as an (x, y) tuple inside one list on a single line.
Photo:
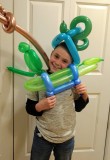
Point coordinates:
[(63, 45)]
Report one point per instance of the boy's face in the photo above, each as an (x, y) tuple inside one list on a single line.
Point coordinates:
[(59, 59)]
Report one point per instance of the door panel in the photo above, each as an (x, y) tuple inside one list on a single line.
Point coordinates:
[(90, 135)]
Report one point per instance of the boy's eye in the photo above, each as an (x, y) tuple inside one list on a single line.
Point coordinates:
[(56, 56), (65, 61)]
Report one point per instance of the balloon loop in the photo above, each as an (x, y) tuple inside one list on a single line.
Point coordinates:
[(67, 37), (11, 23), (86, 31), (82, 46)]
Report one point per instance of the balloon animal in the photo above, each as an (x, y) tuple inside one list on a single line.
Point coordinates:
[(63, 79)]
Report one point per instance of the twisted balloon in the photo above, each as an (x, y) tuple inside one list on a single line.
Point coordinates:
[(9, 26)]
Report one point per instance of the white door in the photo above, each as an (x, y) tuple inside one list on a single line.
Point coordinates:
[(42, 20), (92, 122), (6, 91)]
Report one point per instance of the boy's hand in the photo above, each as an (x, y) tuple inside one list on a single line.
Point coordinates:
[(81, 90), (46, 103)]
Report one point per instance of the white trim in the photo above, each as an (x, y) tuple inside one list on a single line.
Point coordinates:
[(107, 147)]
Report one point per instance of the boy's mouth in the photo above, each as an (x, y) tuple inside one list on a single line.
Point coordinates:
[(56, 67)]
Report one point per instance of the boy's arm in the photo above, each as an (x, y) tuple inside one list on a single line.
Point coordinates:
[(80, 103), (36, 108), (30, 108), (82, 99)]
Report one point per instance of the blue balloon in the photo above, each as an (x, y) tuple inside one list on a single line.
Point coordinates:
[(72, 49), (64, 87), (48, 84), (50, 90), (75, 74), (67, 37), (74, 31)]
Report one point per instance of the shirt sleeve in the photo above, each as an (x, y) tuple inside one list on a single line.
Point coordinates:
[(80, 104), (32, 100), (30, 108)]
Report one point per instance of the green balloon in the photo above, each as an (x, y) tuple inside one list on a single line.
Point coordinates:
[(84, 45), (23, 47), (93, 60), (63, 76), (88, 26), (21, 72), (63, 27), (31, 58), (35, 60), (59, 78), (29, 63)]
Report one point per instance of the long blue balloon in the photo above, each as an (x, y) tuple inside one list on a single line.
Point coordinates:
[(67, 37), (50, 90)]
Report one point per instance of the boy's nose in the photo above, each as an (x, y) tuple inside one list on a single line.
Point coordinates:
[(58, 62)]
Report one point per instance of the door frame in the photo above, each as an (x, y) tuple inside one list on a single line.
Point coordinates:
[(107, 141)]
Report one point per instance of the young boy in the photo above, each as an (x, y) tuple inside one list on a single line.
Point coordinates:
[(56, 115)]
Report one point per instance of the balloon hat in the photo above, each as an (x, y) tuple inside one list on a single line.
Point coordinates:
[(72, 36)]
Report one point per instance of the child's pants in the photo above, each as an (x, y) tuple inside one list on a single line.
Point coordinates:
[(41, 148)]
